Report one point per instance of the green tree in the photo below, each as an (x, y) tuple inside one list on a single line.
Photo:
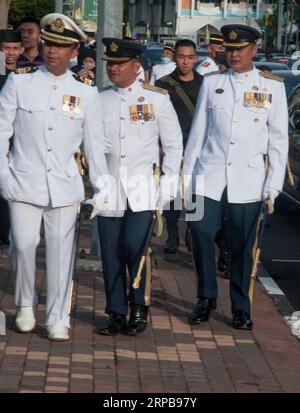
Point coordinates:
[(29, 8)]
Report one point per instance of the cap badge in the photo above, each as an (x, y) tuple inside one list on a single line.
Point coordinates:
[(114, 47), (233, 35), (57, 26)]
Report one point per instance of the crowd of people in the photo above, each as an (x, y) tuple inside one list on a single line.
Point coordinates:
[(215, 126)]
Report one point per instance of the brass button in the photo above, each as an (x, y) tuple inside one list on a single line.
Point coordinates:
[(122, 117), (123, 99), (49, 149), (232, 142), (50, 128), (55, 87), (237, 100), (123, 156), (234, 120), (49, 169), (229, 163), (122, 136), (30, 110), (52, 108)]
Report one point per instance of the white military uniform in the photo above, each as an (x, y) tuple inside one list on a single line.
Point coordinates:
[(238, 119), (49, 117), (161, 70), (135, 118), (208, 66)]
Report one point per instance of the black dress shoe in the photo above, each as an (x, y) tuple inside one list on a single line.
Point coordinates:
[(115, 324), (137, 320), (241, 320), (202, 310)]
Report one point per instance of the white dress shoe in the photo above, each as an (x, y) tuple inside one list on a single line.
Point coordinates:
[(58, 333), (25, 320)]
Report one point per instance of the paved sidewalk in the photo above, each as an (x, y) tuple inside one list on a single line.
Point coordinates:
[(171, 356)]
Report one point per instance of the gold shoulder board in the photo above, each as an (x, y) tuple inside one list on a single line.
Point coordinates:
[(25, 70), (84, 80), (270, 76), (217, 72), (155, 88)]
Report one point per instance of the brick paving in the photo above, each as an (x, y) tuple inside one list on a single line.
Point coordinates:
[(170, 357)]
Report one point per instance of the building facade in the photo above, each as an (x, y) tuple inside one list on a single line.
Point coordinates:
[(197, 19), (194, 19)]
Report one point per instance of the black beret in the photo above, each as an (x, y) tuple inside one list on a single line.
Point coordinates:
[(121, 50), (239, 35), (10, 36)]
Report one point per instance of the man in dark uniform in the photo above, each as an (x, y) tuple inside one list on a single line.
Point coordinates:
[(31, 40), (12, 48), (240, 119), (135, 116), (183, 85)]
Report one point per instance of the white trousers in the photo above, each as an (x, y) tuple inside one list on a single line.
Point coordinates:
[(59, 226)]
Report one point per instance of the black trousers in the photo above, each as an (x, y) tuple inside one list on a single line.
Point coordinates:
[(242, 221), (4, 221), (122, 241)]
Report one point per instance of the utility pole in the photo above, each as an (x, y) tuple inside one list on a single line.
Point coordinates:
[(280, 22), (109, 24), (58, 6)]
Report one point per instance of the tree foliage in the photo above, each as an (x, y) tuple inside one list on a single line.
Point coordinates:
[(29, 8)]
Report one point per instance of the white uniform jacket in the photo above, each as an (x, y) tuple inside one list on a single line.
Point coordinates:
[(160, 70), (48, 117), (135, 118), (239, 118), (208, 66)]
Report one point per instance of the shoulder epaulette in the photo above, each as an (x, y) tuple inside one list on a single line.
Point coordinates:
[(216, 72), (25, 70), (270, 76), (84, 80), (155, 88)]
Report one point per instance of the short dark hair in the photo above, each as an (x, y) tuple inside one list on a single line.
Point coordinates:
[(29, 20), (185, 43)]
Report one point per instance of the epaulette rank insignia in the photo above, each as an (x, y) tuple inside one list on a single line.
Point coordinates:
[(25, 70), (84, 80), (270, 76), (155, 88)]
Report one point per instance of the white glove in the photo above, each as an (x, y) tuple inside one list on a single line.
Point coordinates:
[(270, 193), (98, 202), (5, 191)]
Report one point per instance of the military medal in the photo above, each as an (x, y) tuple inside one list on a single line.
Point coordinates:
[(258, 100), (71, 104), (142, 113)]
